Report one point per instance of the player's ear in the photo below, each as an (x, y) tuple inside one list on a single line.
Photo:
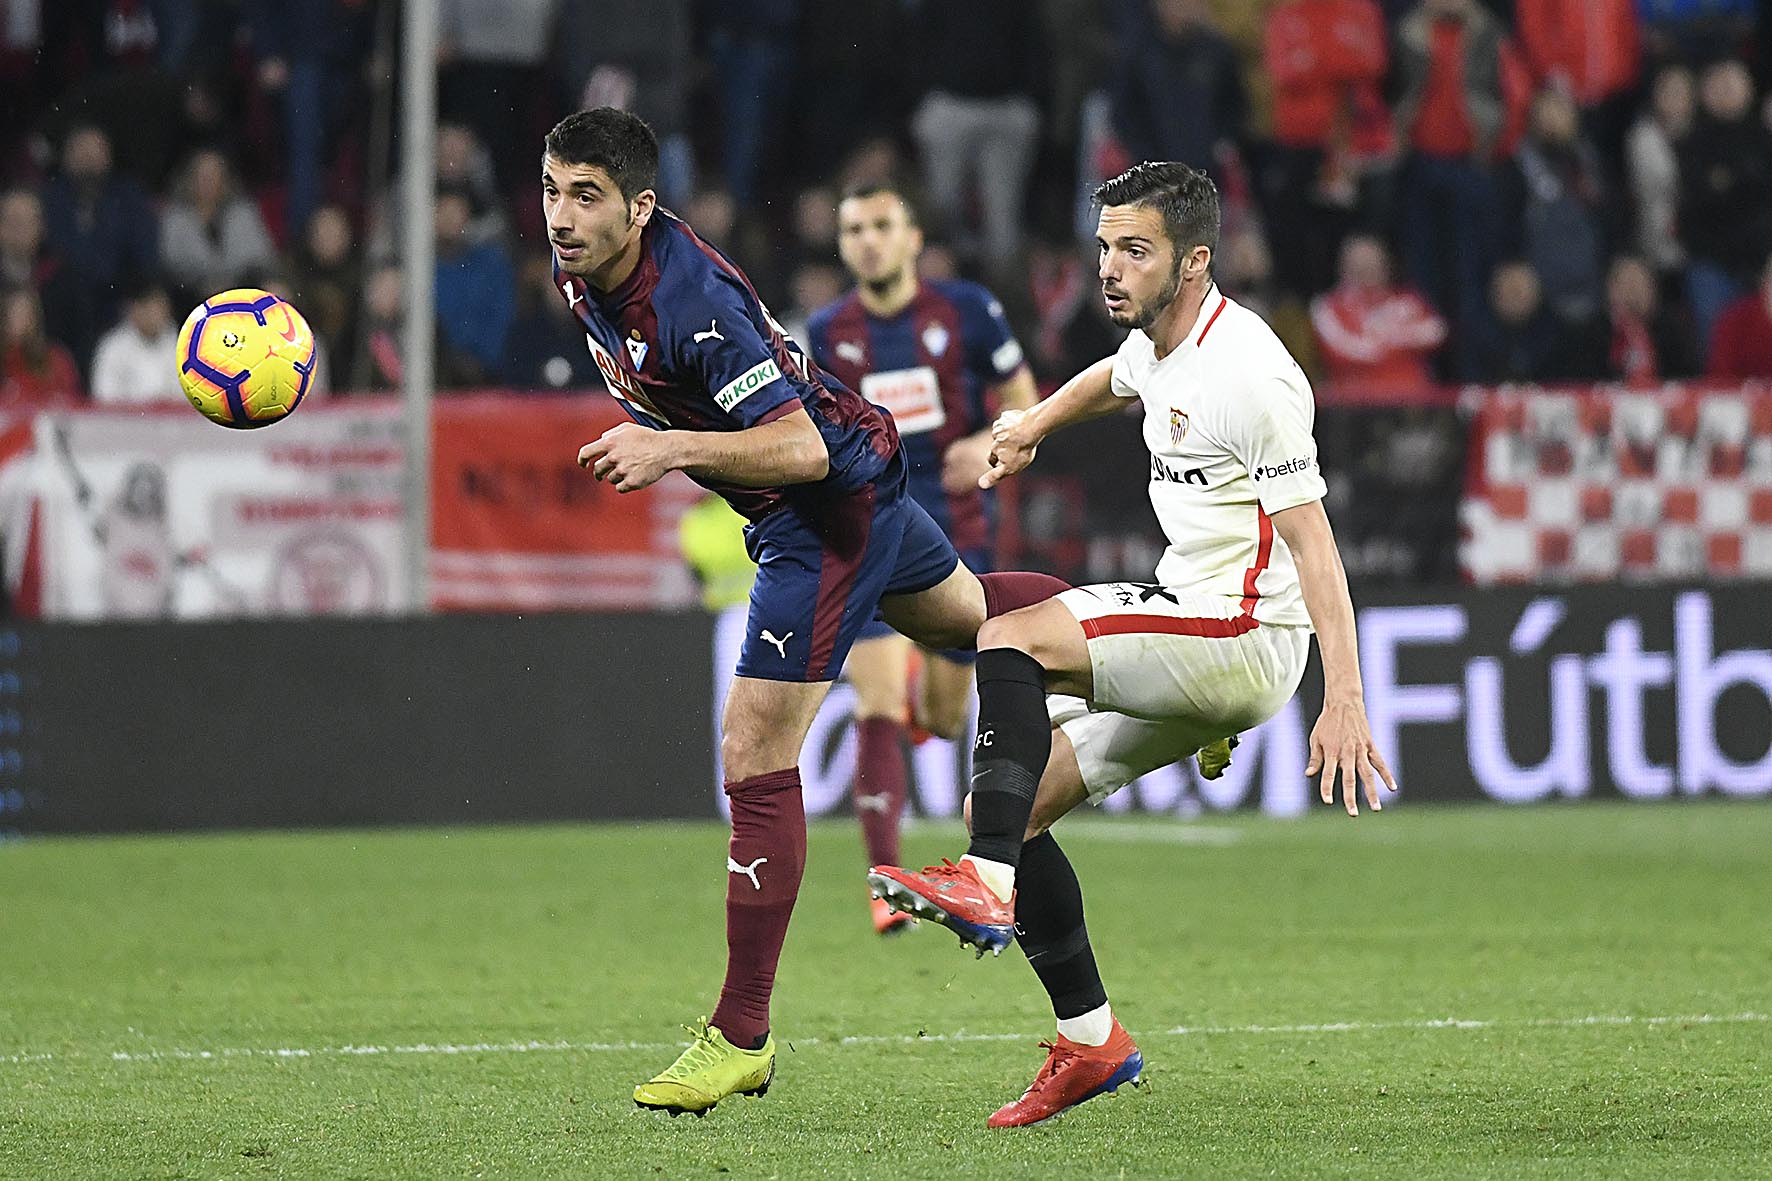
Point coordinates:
[(1197, 263), (641, 207)]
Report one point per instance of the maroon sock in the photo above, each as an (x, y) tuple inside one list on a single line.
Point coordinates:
[(763, 865), (1012, 590), (879, 786)]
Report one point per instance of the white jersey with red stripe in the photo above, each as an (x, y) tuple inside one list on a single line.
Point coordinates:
[(1227, 417)]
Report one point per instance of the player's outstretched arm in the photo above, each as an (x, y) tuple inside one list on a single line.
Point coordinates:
[(1341, 741), (785, 450), (1017, 433), (788, 450)]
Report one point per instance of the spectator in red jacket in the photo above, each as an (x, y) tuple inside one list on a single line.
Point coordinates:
[(1644, 343), (1453, 118), (1326, 59), (1373, 336), (36, 373), (1741, 346), (1590, 48)]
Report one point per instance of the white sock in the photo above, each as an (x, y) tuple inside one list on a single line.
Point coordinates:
[(1091, 1029), (999, 877)]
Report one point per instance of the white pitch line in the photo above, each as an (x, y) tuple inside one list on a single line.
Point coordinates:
[(1156, 834), (1476, 1023), (535, 1047)]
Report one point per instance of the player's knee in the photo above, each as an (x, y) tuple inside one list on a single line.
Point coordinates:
[(874, 699), (744, 755), (944, 720), (1000, 632)]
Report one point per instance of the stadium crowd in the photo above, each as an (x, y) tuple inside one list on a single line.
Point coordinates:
[(1416, 191)]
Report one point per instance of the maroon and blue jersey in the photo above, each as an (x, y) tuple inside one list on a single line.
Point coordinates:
[(685, 344), (930, 366)]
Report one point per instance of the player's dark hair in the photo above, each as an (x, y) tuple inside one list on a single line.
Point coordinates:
[(619, 142), (1186, 197), (863, 189)]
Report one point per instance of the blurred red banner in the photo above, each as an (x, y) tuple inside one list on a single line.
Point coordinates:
[(516, 524)]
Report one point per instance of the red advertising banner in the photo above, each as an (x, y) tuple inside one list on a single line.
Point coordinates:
[(516, 524), (153, 513)]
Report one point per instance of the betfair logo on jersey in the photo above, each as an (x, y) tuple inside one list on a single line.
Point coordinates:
[(747, 383), (1162, 473), (1268, 471)]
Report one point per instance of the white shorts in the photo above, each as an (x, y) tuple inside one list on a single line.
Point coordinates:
[(1173, 671)]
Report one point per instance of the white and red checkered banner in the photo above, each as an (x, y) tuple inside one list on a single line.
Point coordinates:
[(1597, 483)]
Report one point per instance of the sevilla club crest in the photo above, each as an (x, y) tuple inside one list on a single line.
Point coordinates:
[(1177, 426)]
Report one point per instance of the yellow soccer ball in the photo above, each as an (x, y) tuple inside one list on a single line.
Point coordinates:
[(245, 358)]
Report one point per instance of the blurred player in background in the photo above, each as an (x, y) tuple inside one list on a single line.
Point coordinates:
[(1144, 674), (935, 354), (717, 391)]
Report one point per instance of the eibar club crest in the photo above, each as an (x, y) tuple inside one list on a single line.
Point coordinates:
[(636, 348), (935, 338), (1177, 425)]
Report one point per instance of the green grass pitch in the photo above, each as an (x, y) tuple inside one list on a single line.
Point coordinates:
[(466, 1003)]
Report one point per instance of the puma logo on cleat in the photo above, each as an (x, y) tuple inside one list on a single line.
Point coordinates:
[(749, 871), (713, 333), (879, 803), (781, 645)]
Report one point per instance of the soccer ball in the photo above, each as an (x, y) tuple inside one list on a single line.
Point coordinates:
[(245, 358)]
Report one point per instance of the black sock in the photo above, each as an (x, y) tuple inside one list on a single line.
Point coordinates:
[(1049, 927), (1009, 755)]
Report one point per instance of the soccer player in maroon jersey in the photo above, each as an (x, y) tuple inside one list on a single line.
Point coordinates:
[(719, 392), (937, 354)]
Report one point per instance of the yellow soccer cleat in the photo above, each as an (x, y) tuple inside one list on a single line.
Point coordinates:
[(1214, 757), (708, 1071)]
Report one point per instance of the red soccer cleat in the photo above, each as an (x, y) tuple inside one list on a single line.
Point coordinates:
[(952, 895), (1074, 1074), (888, 921)]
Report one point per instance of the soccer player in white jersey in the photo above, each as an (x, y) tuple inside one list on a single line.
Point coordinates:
[(1142, 675)]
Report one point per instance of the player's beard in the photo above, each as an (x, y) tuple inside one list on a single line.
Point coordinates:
[(884, 285), (1146, 313)]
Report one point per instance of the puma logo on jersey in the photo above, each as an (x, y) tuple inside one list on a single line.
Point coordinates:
[(713, 333), (881, 803), (851, 352), (747, 871), (781, 645), (573, 298)]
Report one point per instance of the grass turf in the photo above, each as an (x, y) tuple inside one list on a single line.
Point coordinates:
[(570, 955)]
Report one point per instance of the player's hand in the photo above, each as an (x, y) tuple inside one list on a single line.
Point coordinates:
[(1341, 743), (1012, 448), (964, 463), (628, 456)]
